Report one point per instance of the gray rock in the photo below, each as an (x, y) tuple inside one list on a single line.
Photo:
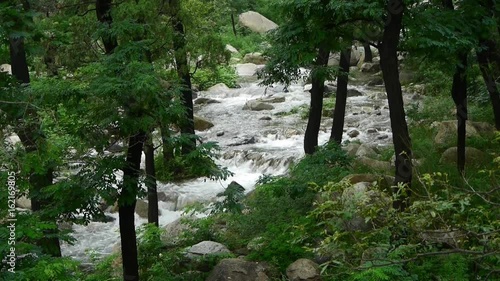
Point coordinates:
[(352, 148), (174, 230), (375, 81), (206, 248), (353, 133), (276, 99), (220, 134), (249, 140), (239, 270), (447, 130), (370, 67), (141, 208), (473, 156), (353, 93), (256, 22), (382, 137), (231, 49), (366, 151), (266, 118), (205, 101), (6, 68), (255, 58), (382, 166), (303, 270), (255, 105), (202, 124), (221, 87), (170, 196), (247, 69)]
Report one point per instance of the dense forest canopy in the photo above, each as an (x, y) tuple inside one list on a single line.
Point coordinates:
[(99, 109)]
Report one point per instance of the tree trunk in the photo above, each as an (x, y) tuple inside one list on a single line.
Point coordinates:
[(459, 95), (103, 12), (126, 202), (368, 52), (316, 107), (151, 181), (401, 137), (341, 97), (233, 24), (167, 149), (31, 140), (182, 66), (484, 58)]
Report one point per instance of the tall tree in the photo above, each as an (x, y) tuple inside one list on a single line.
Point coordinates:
[(33, 140), (151, 181), (485, 60), (390, 72), (183, 72)]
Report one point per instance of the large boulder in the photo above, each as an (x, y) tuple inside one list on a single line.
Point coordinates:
[(174, 230), (473, 156), (370, 67), (256, 22), (239, 270), (247, 69), (377, 165), (256, 105), (231, 49), (205, 101), (202, 124), (206, 248), (141, 208), (221, 87), (255, 58), (447, 130), (273, 99), (365, 150), (6, 68), (303, 270)]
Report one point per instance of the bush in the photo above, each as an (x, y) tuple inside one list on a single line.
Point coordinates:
[(206, 78)]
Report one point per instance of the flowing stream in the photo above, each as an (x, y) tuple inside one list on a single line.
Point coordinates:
[(253, 143)]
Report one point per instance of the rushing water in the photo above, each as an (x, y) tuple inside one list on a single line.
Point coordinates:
[(251, 147)]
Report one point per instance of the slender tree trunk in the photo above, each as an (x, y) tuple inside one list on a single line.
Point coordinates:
[(459, 95), (233, 24), (126, 203), (31, 140), (316, 107), (368, 52), (128, 196), (483, 58), (341, 97), (389, 65), (167, 149), (151, 181), (187, 126)]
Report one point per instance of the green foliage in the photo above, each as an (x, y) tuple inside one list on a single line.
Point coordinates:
[(206, 78), (232, 202), (198, 163)]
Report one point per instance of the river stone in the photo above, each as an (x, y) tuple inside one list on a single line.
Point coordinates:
[(256, 22), (377, 165), (6, 68), (365, 150), (231, 49), (23, 202), (255, 58), (174, 230), (255, 105), (447, 130), (351, 149), (247, 69), (353, 133), (220, 134), (303, 270), (277, 99), (202, 124), (266, 118), (370, 67), (168, 196), (141, 208), (353, 93), (473, 156), (375, 81), (221, 87), (205, 101), (239, 270), (206, 248)]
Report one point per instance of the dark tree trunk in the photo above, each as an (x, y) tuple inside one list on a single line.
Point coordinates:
[(31, 138), (187, 125), (368, 52), (389, 65), (341, 97), (316, 107), (167, 149), (151, 181), (126, 202), (459, 95), (103, 11), (234, 25), (485, 59)]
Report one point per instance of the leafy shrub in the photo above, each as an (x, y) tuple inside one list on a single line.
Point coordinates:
[(206, 78)]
